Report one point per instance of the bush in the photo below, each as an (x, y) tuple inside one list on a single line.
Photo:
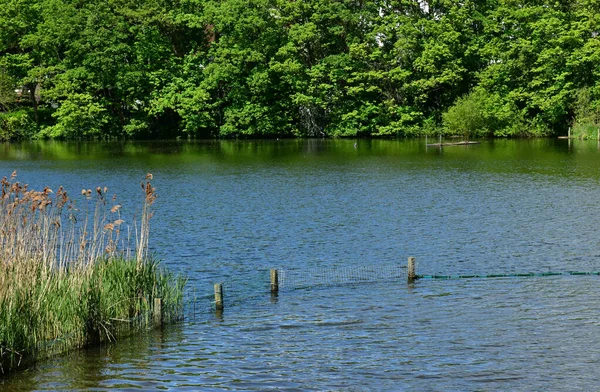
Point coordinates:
[(17, 125), (80, 115), (586, 109), (480, 113)]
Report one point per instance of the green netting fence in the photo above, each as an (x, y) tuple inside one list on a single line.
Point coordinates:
[(291, 279), (235, 290)]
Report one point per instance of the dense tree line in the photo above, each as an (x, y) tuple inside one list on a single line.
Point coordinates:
[(279, 68)]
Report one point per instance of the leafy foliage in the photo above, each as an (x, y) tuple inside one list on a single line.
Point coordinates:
[(482, 114), (278, 68)]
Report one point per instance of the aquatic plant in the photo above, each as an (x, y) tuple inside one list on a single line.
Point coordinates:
[(68, 277)]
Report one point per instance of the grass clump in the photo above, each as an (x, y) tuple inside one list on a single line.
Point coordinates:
[(586, 111), (586, 131), (67, 277)]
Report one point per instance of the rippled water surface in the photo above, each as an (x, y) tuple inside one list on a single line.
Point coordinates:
[(230, 211)]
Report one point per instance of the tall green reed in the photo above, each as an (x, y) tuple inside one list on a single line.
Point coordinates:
[(68, 277)]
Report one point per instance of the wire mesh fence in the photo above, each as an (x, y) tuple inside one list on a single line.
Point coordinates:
[(291, 279), (237, 288), (256, 285)]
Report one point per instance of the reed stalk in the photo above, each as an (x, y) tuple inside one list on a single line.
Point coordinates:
[(66, 278)]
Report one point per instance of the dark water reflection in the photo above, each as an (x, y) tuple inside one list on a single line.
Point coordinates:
[(229, 211)]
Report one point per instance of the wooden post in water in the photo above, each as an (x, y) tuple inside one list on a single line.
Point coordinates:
[(158, 311), (218, 296), (411, 269), (569, 133), (274, 281)]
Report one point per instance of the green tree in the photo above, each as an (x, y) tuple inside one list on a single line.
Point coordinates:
[(527, 63)]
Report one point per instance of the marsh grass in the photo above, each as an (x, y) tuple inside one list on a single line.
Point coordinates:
[(585, 131), (68, 277)]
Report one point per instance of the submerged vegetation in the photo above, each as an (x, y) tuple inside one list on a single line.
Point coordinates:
[(313, 68), (68, 277)]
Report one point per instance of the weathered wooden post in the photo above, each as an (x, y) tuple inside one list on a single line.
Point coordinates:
[(158, 311), (569, 133), (274, 281), (411, 270), (218, 296)]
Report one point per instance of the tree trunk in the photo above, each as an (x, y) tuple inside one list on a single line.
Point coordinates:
[(34, 95)]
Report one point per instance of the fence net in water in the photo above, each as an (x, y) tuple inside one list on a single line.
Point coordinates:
[(247, 286), (291, 279)]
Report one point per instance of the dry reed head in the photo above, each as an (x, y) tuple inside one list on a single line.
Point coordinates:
[(32, 225), (149, 190)]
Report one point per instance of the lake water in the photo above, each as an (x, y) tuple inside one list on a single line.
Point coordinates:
[(230, 211)]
